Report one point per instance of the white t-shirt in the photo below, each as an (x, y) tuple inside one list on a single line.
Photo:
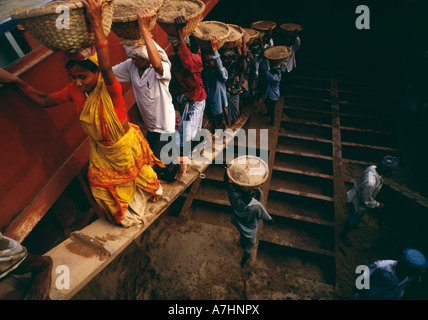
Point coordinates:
[(290, 63), (151, 93)]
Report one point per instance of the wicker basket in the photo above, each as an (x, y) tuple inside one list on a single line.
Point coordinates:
[(41, 23), (192, 18), (203, 38), (127, 27), (234, 37), (291, 29), (277, 54), (248, 172), (263, 26), (252, 35)]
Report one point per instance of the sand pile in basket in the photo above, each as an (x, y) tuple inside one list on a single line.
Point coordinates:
[(277, 52), (126, 8), (206, 30), (264, 25), (174, 8), (251, 32), (235, 33), (248, 172), (48, 7), (291, 27)]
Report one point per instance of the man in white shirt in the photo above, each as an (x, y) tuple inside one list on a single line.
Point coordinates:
[(362, 196), (149, 71)]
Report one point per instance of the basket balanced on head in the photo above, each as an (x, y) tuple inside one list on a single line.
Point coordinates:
[(277, 54), (44, 24), (125, 21), (234, 37), (248, 172), (263, 26), (192, 10), (291, 29), (207, 29), (252, 35)]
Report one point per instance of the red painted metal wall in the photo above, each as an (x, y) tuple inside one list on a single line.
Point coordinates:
[(43, 149)]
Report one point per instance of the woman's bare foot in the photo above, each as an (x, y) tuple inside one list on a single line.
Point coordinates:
[(158, 195), (181, 171), (183, 167)]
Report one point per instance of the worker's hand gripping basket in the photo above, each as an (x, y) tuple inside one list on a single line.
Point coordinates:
[(263, 26), (192, 10), (291, 29), (234, 37), (207, 29), (248, 172), (62, 25), (125, 21), (277, 54)]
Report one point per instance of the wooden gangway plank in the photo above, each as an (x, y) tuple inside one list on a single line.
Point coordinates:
[(88, 251)]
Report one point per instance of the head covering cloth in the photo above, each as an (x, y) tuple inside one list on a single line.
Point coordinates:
[(137, 49), (388, 163)]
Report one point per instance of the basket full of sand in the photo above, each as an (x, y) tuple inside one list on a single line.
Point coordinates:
[(252, 35), (277, 54), (248, 172), (192, 10), (291, 29), (125, 21), (207, 29), (263, 26), (41, 23), (234, 37)]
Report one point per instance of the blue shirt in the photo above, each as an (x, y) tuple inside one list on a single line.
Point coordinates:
[(215, 85), (246, 216), (384, 283), (273, 80)]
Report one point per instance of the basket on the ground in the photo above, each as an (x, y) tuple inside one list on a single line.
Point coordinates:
[(248, 172), (263, 26), (234, 37), (206, 29), (291, 29), (125, 21), (277, 54), (192, 10), (252, 35), (43, 23)]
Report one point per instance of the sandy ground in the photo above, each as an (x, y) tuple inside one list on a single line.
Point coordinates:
[(180, 260), (185, 259)]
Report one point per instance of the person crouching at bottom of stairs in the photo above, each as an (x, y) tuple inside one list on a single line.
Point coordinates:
[(246, 214), (362, 197)]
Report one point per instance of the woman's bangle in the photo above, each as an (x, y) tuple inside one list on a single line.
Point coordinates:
[(28, 90), (102, 44)]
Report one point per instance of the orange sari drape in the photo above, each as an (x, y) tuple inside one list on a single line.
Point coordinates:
[(119, 161)]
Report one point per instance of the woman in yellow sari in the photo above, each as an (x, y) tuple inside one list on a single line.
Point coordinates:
[(121, 160)]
